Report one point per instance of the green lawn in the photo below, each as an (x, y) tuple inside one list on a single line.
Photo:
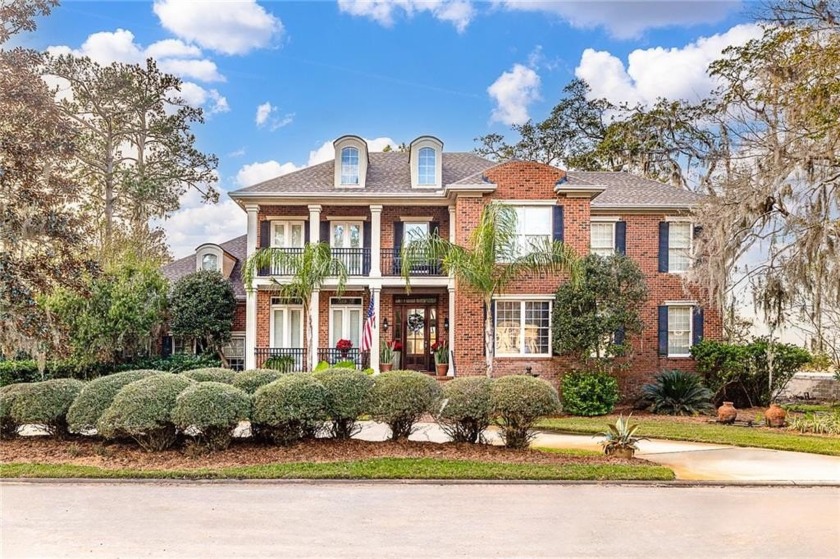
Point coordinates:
[(375, 468), (661, 428)]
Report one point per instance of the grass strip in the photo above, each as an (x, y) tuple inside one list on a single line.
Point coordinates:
[(703, 433), (374, 468)]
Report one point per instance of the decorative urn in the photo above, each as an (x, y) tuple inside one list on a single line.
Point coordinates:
[(727, 413)]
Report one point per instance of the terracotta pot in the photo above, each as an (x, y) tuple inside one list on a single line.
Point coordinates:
[(442, 369), (385, 367), (727, 413), (775, 416), (621, 452)]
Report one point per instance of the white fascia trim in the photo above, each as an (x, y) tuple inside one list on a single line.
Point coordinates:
[(679, 218), (286, 218), (608, 218), (680, 303), (643, 207)]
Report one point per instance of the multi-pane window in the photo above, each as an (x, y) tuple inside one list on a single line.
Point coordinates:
[(602, 238), (346, 320), (427, 167), (523, 327), (234, 351), (287, 234), (679, 331), (287, 326), (350, 166), (210, 262), (679, 246), (533, 228), (415, 231)]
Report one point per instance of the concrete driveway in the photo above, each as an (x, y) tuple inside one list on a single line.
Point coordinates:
[(229, 520)]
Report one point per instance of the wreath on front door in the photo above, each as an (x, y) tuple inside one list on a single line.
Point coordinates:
[(415, 322)]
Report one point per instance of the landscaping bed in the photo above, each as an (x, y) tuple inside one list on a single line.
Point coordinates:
[(322, 458)]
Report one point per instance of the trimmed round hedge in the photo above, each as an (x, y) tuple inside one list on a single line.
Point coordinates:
[(214, 409), (46, 404), (97, 395), (211, 374), (289, 409), (400, 398), (589, 393), (251, 380), (517, 402), (8, 395), (142, 411), (348, 397), (466, 409)]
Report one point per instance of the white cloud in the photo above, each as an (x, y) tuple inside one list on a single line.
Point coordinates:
[(326, 151), (233, 27), (513, 92), (457, 12), (263, 112), (254, 173), (172, 48), (675, 73), (628, 19), (192, 226), (268, 114), (203, 70), (197, 96)]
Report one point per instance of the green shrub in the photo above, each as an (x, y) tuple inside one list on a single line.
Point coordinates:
[(97, 396), (819, 423), (214, 409), (176, 363), (517, 402), (214, 374), (466, 409), (589, 393), (740, 373), (8, 395), (289, 409), (251, 380), (400, 398), (46, 404), (348, 397), (282, 363), (142, 411), (678, 393)]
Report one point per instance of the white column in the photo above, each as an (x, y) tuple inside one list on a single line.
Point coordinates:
[(375, 242), (315, 224), (451, 224), (251, 294), (374, 345), (314, 312), (451, 332)]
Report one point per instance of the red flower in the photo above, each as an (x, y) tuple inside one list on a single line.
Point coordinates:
[(438, 345), (395, 345), (344, 345)]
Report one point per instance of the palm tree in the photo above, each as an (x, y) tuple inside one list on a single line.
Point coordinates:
[(490, 262), (310, 268)]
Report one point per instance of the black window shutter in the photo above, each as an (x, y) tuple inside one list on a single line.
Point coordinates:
[(306, 232), (557, 224), (398, 238), (663, 330), (325, 232), (618, 336), (621, 237), (166, 346), (663, 246), (366, 256), (366, 227), (697, 326), (434, 228), (265, 234)]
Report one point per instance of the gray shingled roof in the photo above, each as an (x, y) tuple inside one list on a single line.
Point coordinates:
[(626, 190), (235, 247), (387, 173)]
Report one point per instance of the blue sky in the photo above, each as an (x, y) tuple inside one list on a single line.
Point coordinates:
[(386, 70)]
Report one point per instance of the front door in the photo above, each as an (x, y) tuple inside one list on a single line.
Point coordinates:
[(416, 322)]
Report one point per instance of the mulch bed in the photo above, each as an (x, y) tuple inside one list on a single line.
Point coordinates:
[(86, 451)]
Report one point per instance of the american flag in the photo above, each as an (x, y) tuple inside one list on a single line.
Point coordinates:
[(370, 324)]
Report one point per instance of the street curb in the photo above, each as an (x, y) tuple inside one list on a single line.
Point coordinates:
[(641, 483)]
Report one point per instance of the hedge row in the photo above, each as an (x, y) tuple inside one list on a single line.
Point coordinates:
[(154, 407)]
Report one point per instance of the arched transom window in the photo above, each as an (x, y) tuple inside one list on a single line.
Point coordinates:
[(427, 167), (210, 262)]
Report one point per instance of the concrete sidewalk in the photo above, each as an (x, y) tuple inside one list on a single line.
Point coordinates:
[(690, 461)]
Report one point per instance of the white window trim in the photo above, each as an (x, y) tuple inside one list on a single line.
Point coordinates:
[(602, 218), (358, 183), (407, 224), (287, 223), (690, 244), (345, 318), (690, 329), (434, 172), (347, 225), (286, 318), (601, 222), (523, 299), (527, 202)]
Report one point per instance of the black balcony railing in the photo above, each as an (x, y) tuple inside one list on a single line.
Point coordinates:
[(392, 265), (332, 356), (286, 359), (355, 260)]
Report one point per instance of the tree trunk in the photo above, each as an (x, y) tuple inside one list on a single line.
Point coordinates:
[(489, 345), (308, 344)]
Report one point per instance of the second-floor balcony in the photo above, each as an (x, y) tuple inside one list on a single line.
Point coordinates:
[(392, 265), (356, 261)]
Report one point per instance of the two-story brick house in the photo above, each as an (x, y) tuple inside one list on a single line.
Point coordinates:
[(365, 205)]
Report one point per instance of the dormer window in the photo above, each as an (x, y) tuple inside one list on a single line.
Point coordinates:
[(350, 166), (210, 262), (427, 167)]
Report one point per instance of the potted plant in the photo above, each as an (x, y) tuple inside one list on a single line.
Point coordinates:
[(441, 350), (386, 357), (396, 347), (344, 347), (620, 440)]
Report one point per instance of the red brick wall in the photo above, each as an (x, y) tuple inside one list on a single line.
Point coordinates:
[(239, 318)]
